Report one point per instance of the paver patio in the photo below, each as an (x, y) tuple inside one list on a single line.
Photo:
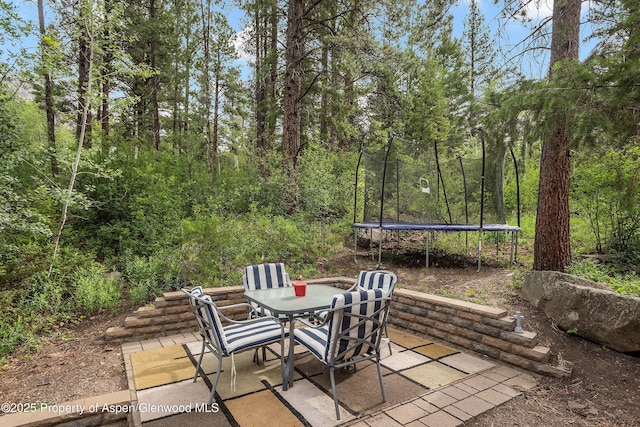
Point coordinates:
[(427, 384)]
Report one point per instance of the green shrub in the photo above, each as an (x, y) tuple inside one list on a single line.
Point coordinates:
[(94, 291), (17, 326), (614, 276), (148, 277), (215, 249), (141, 292), (605, 187)]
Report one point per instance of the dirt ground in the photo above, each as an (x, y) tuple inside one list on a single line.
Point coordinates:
[(603, 390)]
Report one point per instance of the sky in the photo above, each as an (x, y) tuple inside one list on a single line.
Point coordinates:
[(512, 32)]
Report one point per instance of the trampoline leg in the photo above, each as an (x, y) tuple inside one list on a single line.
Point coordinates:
[(514, 246), (355, 245), (479, 250), (379, 251), (371, 243), (426, 257)]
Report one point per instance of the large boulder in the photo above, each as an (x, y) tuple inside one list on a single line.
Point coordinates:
[(586, 307)]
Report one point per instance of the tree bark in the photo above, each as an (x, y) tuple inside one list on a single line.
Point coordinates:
[(206, 39), (155, 79), (84, 52), (108, 69), (82, 135), (292, 101), (261, 110), (552, 247), (48, 97)]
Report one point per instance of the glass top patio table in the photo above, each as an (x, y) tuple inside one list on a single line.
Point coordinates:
[(283, 301)]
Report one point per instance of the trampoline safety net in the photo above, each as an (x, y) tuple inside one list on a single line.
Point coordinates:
[(422, 189)]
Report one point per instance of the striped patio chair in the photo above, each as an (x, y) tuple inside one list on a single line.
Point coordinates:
[(351, 333), (378, 279), (233, 338), (265, 276)]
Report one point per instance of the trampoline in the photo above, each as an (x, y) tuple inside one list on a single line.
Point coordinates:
[(407, 187)]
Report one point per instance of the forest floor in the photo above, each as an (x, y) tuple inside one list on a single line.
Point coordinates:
[(602, 391)]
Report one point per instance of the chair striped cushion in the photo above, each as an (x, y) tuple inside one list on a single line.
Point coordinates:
[(340, 323), (207, 317), (384, 280), (326, 342), (377, 280), (235, 337), (315, 339), (252, 334), (265, 276)]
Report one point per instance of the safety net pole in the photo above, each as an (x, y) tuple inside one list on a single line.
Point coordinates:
[(384, 180), (481, 202), (355, 207), (514, 250)]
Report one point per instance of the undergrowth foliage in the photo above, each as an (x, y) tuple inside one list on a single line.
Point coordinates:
[(158, 222)]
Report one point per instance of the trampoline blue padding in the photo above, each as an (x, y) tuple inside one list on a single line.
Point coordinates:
[(435, 227)]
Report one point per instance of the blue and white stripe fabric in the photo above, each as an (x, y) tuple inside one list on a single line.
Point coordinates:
[(265, 276), (237, 336), (384, 280), (208, 329), (379, 279), (240, 337), (353, 329)]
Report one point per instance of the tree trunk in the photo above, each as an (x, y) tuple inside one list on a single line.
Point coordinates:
[(216, 108), (552, 247), (292, 101), (108, 69), (155, 80), (84, 52), (206, 39), (82, 135), (261, 108), (273, 80), (48, 97)]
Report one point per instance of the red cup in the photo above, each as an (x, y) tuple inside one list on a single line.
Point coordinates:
[(300, 288)]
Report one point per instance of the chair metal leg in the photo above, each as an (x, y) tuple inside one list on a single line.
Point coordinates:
[(215, 381), (195, 377), (256, 359), (335, 395), (384, 396), (386, 334)]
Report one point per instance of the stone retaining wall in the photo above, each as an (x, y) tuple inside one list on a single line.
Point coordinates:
[(483, 329)]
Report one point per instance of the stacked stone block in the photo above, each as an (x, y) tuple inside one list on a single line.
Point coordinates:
[(483, 329)]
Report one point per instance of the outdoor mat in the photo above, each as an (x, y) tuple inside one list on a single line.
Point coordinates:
[(168, 399), (261, 409), (415, 366), (360, 392), (194, 419), (435, 351), (403, 359), (433, 374), (406, 340), (467, 363), (313, 404), (250, 377), (161, 366)]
